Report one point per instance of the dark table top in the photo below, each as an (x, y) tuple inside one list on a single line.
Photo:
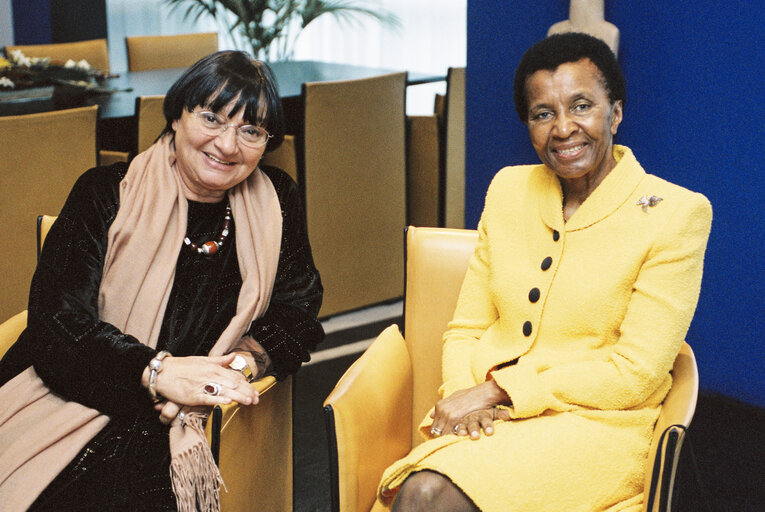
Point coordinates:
[(290, 76)]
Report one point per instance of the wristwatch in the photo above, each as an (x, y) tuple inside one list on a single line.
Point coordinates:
[(240, 364)]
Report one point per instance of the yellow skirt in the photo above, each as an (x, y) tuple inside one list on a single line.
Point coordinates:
[(574, 461)]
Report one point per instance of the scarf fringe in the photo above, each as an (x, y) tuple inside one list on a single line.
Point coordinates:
[(195, 476)]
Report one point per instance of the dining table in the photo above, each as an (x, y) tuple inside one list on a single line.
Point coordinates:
[(117, 123)]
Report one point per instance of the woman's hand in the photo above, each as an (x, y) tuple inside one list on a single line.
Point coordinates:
[(484, 419), (473, 408), (190, 381), (170, 411)]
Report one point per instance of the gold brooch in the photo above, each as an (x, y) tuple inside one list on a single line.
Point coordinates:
[(647, 201)]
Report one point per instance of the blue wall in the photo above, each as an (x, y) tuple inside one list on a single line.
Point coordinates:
[(694, 115), (58, 21), (31, 22)]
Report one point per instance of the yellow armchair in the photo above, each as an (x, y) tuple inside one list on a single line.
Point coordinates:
[(373, 413), (252, 445)]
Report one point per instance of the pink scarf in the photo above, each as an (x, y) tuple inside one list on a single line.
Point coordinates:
[(40, 433)]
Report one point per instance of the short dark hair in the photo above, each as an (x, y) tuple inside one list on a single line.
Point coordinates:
[(557, 49), (214, 81)]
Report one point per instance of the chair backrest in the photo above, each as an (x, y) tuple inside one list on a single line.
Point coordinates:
[(351, 167), (283, 157), (175, 51), (454, 149), (150, 120), (41, 156), (95, 51), (677, 409), (424, 199), (436, 262), (436, 159)]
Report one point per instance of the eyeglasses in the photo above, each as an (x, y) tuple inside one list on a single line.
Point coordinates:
[(214, 124)]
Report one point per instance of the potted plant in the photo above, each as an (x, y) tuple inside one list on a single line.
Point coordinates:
[(271, 27)]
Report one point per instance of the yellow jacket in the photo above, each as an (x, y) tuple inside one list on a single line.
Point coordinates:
[(605, 321)]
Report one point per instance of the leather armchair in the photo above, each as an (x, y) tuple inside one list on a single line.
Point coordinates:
[(252, 445), (391, 387)]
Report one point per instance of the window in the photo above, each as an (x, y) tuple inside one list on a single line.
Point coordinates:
[(432, 38)]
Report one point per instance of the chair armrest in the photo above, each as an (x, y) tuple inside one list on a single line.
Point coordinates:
[(229, 411), (253, 447), (369, 417)]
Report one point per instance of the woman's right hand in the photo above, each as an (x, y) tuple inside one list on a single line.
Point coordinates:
[(183, 380)]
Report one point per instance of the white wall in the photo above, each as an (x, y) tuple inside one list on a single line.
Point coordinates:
[(6, 23), (433, 37)]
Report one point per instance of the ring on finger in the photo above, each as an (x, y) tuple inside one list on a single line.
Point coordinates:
[(456, 428), (182, 418), (435, 431), (212, 388)]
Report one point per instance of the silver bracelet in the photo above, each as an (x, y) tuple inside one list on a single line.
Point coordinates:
[(155, 365)]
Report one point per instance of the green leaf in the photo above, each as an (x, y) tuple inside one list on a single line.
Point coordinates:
[(267, 23)]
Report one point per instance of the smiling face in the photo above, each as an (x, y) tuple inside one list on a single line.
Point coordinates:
[(572, 122), (210, 165)]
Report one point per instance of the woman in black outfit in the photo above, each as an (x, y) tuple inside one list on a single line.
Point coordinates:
[(163, 289)]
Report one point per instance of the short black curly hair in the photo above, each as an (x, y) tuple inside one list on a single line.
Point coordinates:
[(557, 49)]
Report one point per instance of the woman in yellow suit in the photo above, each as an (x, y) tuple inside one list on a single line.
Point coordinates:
[(576, 302)]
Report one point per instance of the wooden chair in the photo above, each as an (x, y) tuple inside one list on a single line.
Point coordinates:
[(175, 51), (351, 168), (252, 445), (436, 160), (41, 156), (403, 376), (95, 51), (150, 120)]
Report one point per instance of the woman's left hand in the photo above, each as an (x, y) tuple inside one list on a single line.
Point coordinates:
[(482, 419), (456, 408)]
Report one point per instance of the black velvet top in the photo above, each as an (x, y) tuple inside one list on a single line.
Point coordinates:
[(92, 362)]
